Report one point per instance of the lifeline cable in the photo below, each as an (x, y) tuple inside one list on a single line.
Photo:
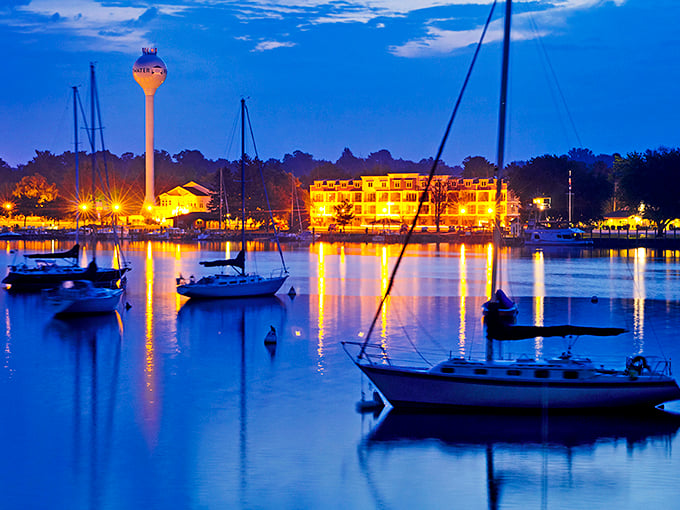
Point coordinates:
[(423, 195)]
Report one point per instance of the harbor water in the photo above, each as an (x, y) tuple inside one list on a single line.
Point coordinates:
[(176, 404)]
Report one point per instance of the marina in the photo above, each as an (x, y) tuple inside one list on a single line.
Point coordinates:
[(180, 404)]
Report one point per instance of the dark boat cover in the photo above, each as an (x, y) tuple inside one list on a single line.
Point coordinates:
[(509, 332), (71, 254), (235, 262)]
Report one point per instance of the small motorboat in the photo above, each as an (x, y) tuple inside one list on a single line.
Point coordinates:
[(82, 297)]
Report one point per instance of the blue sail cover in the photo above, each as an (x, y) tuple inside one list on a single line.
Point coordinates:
[(500, 331), (71, 254), (239, 261)]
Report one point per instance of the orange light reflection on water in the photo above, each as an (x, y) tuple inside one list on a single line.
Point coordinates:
[(463, 291), (178, 267), (8, 344), (539, 299), (321, 276), (384, 283), (150, 400), (639, 295), (489, 270)]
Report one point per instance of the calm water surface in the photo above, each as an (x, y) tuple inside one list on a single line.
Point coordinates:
[(177, 404)]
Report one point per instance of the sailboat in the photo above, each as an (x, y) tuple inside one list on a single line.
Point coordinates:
[(49, 270), (240, 283), (566, 382)]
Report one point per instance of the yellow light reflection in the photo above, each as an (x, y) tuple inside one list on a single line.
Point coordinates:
[(489, 270), (8, 345), (150, 402), (462, 291), (384, 282), (539, 299), (116, 257), (639, 295), (178, 267), (321, 271)]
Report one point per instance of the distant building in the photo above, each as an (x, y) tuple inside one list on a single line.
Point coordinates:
[(392, 199), (188, 198)]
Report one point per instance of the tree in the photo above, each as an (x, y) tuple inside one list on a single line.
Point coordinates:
[(649, 183), (344, 213), (478, 166), (33, 193), (548, 175), (441, 199)]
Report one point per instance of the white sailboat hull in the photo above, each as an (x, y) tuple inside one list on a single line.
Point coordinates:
[(232, 286), (405, 387), (91, 301)]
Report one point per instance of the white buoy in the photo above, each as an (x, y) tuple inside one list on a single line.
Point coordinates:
[(271, 336)]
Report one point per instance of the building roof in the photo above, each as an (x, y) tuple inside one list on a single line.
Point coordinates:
[(620, 214), (191, 187)]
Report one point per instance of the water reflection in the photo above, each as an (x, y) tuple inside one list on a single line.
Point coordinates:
[(539, 299), (525, 456), (242, 321), (94, 343), (463, 292), (639, 296), (321, 276)]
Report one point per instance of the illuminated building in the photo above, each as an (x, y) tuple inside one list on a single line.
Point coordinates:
[(188, 198), (392, 199)]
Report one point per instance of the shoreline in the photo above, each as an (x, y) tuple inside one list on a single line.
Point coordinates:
[(669, 242)]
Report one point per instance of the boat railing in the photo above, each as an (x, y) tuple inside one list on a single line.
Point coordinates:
[(378, 354), (278, 273), (659, 365)]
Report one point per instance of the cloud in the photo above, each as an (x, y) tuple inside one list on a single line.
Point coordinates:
[(108, 27), (123, 26), (271, 45), (439, 41)]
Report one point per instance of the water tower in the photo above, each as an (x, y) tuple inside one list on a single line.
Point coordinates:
[(150, 72)]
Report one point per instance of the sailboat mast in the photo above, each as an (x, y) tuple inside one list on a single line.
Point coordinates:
[(221, 195), (570, 197), (501, 148), (243, 181), (92, 138), (75, 138)]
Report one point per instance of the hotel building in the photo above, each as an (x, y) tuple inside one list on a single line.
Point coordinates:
[(392, 199)]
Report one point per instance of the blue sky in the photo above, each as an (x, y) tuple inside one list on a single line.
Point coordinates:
[(321, 76)]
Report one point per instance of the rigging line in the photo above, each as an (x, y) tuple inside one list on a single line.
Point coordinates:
[(414, 318), (105, 184), (415, 348), (82, 112), (432, 339), (544, 53), (423, 195), (266, 195), (233, 133), (62, 119)]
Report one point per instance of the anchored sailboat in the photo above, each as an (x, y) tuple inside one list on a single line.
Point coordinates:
[(240, 283), (49, 270), (565, 382)]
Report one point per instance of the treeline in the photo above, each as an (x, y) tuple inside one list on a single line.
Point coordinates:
[(123, 177), (644, 182)]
